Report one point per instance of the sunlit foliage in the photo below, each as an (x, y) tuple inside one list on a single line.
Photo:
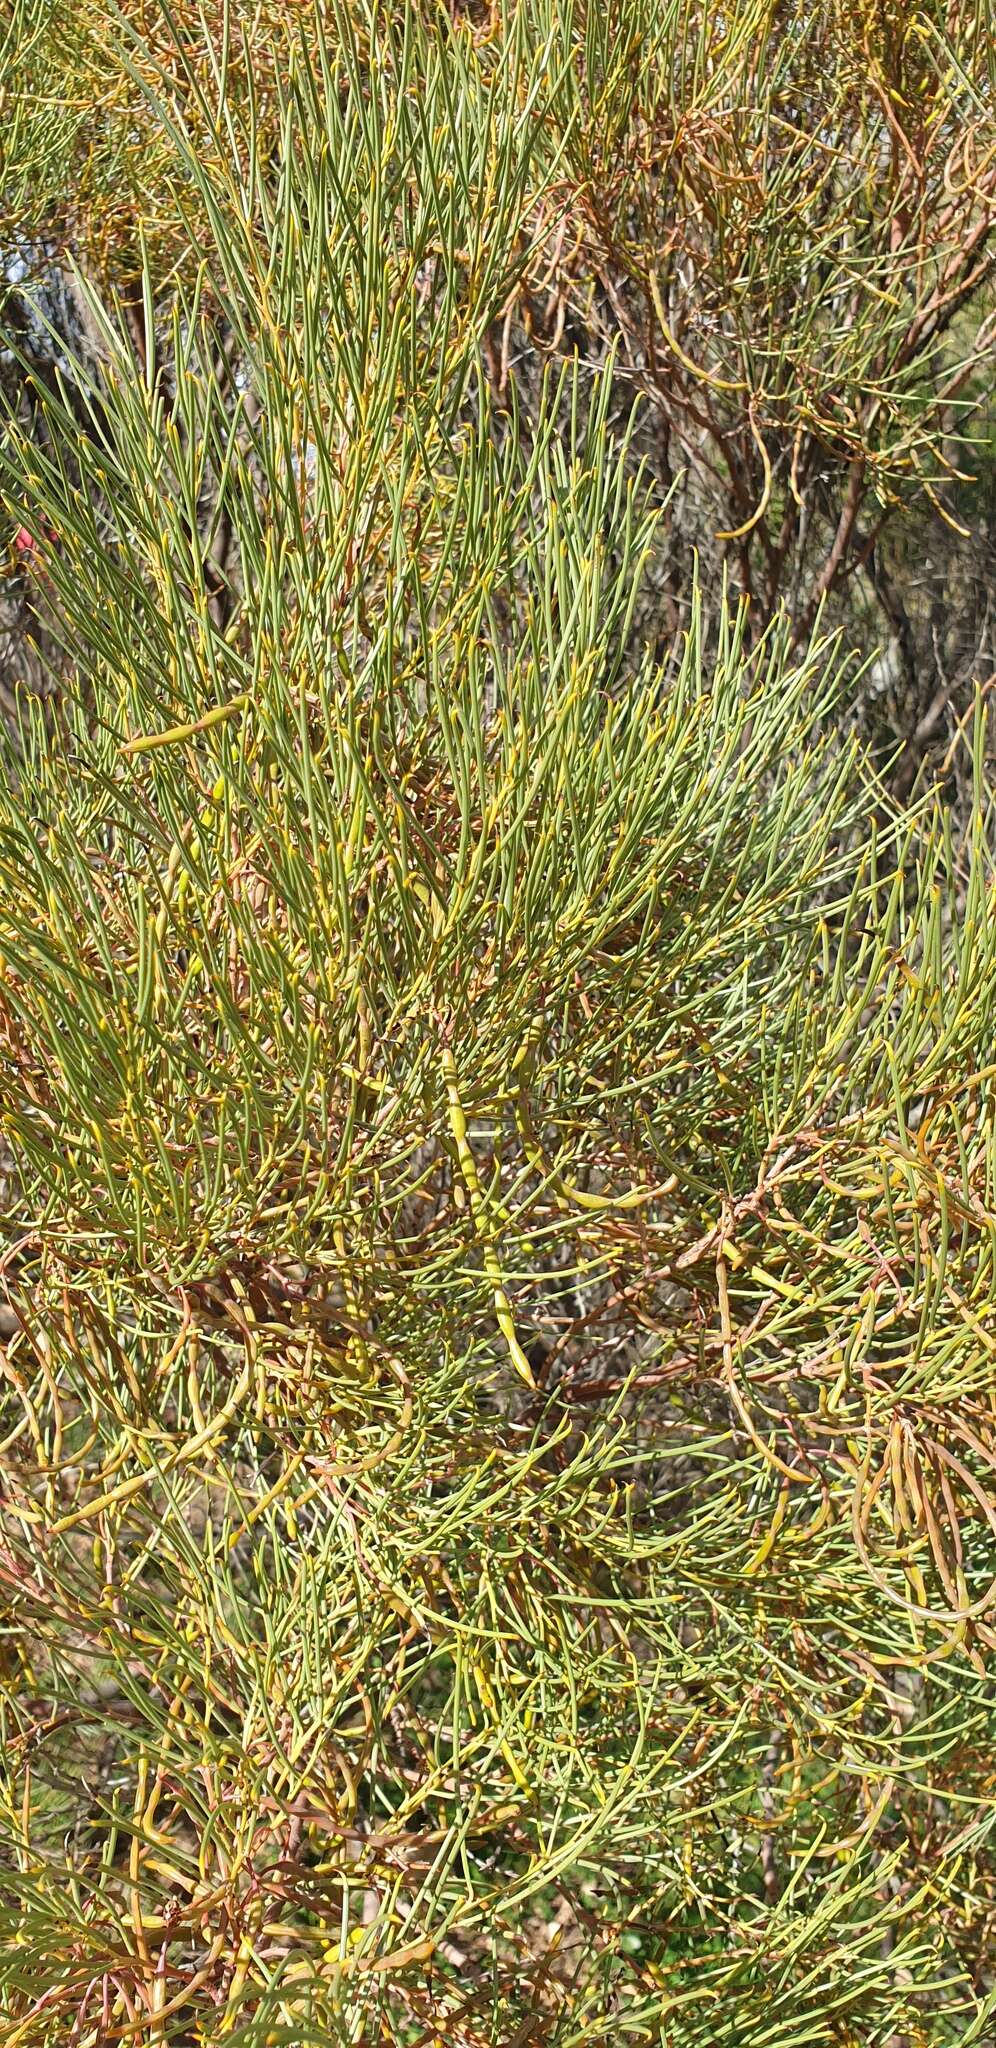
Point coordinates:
[(497, 1535)]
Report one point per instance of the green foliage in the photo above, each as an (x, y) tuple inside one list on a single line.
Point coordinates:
[(497, 1525), (784, 220)]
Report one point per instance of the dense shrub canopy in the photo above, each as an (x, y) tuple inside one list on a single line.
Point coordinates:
[(497, 1535)]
